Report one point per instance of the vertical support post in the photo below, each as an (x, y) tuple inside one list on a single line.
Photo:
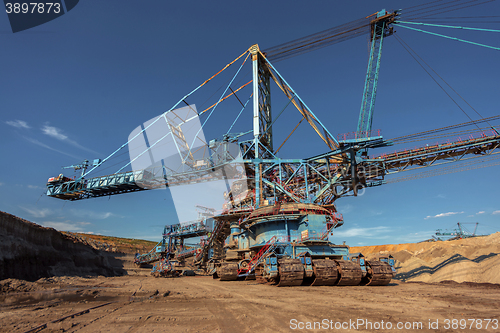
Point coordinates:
[(254, 49), (306, 167), (85, 165), (265, 105), (354, 178), (287, 232), (164, 241), (258, 181)]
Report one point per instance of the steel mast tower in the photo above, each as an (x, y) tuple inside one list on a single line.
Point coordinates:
[(380, 28)]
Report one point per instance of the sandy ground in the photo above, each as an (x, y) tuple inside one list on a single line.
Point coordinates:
[(141, 303), (44, 290)]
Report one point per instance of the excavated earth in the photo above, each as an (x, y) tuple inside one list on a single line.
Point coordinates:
[(72, 287), (464, 260), (29, 251)]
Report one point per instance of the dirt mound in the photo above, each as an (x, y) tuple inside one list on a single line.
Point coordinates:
[(14, 285), (113, 244), (464, 260), (29, 252)]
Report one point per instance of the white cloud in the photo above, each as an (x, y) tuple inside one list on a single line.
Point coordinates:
[(57, 133), (496, 212), (37, 212), (442, 215), (362, 232), (104, 215), (1, 184), (481, 212), (63, 226), (151, 238), (34, 187), (92, 215), (344, 208), (17, 123), (54, 132), (38, 143)]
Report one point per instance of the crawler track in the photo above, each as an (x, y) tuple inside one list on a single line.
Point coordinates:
[(350, 274), (228, 271), (379, 273), (327, 272), (291, 272)]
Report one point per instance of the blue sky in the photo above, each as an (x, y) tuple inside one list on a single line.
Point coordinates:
[(74, 88)]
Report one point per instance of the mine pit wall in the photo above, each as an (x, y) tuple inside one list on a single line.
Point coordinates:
[(474, 260), (29, 252), (490, 242)]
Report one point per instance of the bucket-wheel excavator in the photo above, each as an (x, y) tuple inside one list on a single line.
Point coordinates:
[(279, 213)]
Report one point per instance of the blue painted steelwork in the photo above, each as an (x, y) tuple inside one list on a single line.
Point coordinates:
[(151, 256), (293, 228), (358, 258), (439, 154), (171, 248), (444, 36), (220, 165), (271, 266), (268, 249), (380, 27)]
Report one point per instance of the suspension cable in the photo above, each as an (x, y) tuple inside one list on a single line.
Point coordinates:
[(433, 136), (175, 105), (470, 164), (477, 112), (428, 8), (444, 36), (448, 26), (397, 38), (239, 114), (442, 129), (453, 8), (301, 120), (318, 40), (220, 99)]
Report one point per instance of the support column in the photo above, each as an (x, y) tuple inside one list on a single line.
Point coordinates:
[(254, 49)]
